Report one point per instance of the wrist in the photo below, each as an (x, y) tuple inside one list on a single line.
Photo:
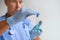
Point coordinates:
[(37, 38)]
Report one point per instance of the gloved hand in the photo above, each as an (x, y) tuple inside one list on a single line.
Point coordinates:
[(21, 15), (36, 31)]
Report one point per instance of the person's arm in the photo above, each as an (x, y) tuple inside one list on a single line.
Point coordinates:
[(3, 26)]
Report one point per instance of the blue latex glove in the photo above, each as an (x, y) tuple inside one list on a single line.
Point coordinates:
[(36, 31), (21, 15)]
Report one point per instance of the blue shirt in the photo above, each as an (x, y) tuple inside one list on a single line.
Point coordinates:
[(19, 31)]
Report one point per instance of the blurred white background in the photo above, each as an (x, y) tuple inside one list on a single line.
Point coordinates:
[(49, 14)]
